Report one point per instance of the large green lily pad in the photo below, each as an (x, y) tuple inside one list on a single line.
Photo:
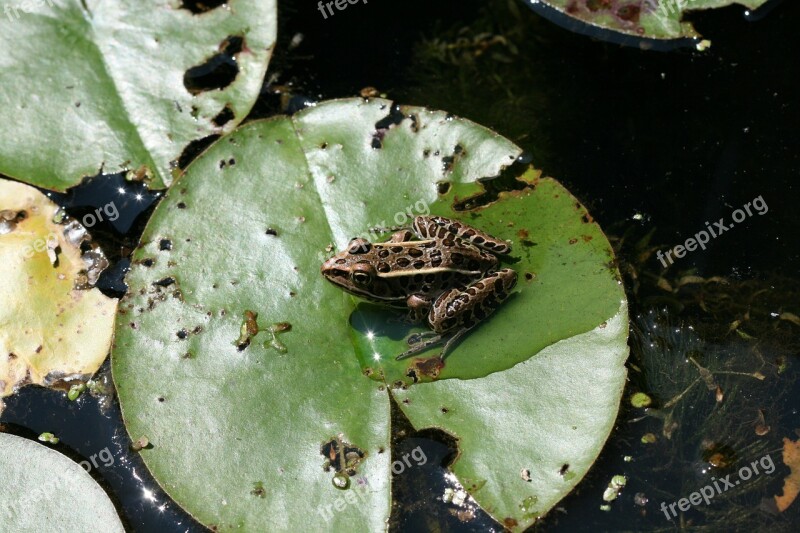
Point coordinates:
[(89, 85), (53, 326), (46, 491), (655, 19), (245, 231)]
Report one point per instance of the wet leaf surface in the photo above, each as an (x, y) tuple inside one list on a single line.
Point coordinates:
[(242, 364), (50, 331), (92, 85), (48, 491)]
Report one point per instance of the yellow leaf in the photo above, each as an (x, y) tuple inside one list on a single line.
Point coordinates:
[(791, 484), (49, 330)]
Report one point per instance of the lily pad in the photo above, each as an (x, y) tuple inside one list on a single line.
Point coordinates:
[(43, 490), (651, 19), (92, 85), (244, 366), (50, 331)]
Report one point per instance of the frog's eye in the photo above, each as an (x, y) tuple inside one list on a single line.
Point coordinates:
[(362, 274), (359, 246)]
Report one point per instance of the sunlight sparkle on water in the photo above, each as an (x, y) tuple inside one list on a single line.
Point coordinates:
[(370, 334)]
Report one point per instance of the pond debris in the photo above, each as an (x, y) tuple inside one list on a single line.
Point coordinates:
[(525, 474), (342, 457), (9, 219), (790, 317), (142, 443), (274, 330), (718, 455), (75, 391), (341, 481), (614, 488), (641, 400), (259, 490), (369, 92), (761, 426), (248, 330), (48, 437)]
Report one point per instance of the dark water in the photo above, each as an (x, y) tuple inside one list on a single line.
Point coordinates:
[(650, 141)]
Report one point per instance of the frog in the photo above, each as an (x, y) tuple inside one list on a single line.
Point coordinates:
[(442, 271)]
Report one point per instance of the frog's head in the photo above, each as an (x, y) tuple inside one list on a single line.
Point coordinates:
[(352, 269)]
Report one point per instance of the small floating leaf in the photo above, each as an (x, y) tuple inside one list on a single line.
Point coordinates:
[(75, 391), (640, 399), (49, 438), (652, 19)]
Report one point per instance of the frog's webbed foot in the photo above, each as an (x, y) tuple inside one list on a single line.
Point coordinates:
[(417, 344)]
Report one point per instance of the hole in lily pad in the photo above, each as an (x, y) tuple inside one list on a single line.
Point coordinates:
[(218, 71), (341, 456), (201, 6), (223, 117)]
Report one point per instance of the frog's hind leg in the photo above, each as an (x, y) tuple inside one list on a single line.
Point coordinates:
[(429, 227), (459, 310)]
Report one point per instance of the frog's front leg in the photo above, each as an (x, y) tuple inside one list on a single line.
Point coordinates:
[(457, 311), (430, 227), (418, 307)]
